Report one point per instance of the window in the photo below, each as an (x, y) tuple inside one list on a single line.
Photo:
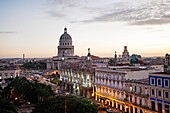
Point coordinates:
[(130, 98), (153, 92), (131, 88), (166, 83), (167, 108), (159, 80), (152, 81), (140, 101), (135, 100), (6, 75), (135, 88), (166, 94), (146, 91), (159, 93), (140, 89)]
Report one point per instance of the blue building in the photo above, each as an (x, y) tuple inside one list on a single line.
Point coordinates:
[(160, 92)]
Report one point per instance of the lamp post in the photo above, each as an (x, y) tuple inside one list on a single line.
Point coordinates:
[(65, 98), (62, 62), (65, 104)]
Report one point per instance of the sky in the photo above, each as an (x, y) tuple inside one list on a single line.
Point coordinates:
[(33, 27)]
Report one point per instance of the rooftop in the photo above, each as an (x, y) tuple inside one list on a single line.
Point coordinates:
[(9, 67), (161, 73)]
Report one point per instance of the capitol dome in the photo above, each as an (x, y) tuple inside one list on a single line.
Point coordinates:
[(65, 39), (65, 47), (65, 36)]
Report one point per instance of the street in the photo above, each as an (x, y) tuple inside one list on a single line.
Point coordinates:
[(102, 112)]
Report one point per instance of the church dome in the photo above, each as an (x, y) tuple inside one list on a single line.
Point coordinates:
[(65, 36)]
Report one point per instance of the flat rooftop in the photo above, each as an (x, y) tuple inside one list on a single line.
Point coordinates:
[(161, 73)]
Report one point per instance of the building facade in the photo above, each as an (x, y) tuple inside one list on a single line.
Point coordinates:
[(78, 77), (167, 63), (160, 92), (7, 73), (137, 96), (121, 89)]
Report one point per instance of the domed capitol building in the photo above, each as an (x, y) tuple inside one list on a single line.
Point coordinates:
[(65, 51), (65, 48)]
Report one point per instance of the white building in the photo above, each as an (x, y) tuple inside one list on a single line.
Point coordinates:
[(65, 52), (7, 73), (65, 47), (114, 88)]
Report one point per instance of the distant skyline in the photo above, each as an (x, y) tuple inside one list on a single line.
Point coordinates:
[(33, 27)]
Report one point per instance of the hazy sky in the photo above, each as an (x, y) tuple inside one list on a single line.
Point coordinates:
[(34, 27)]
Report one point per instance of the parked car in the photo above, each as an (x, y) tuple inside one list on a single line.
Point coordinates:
[(109, 111)]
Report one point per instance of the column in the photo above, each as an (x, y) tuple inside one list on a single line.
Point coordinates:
[(120, 106), (109, 102), (96, 97), (116, 104), (133, 109), (112, 103), (156, 105), (163, 107)]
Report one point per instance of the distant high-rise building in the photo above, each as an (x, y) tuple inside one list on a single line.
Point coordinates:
[(167, 63), (125, 54), (23, 58), (65, 47)]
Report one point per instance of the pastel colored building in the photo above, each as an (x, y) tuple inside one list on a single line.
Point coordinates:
[(160, 92)]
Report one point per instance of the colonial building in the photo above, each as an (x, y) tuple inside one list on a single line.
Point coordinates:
[(167, 63), (78, 77), (12, 73), (120, 87), (160, 92), (137, 96), (7, 72)]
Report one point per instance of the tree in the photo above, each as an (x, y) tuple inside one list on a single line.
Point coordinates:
[(20, 91), (35, 65), (71, 104), (6, 107)]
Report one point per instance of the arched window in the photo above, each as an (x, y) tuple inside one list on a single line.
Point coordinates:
[(6, 75)]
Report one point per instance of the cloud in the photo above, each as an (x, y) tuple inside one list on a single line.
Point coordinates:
[(134, 12), (146, 13), (61, 8), (57, 14), (7, 32)]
